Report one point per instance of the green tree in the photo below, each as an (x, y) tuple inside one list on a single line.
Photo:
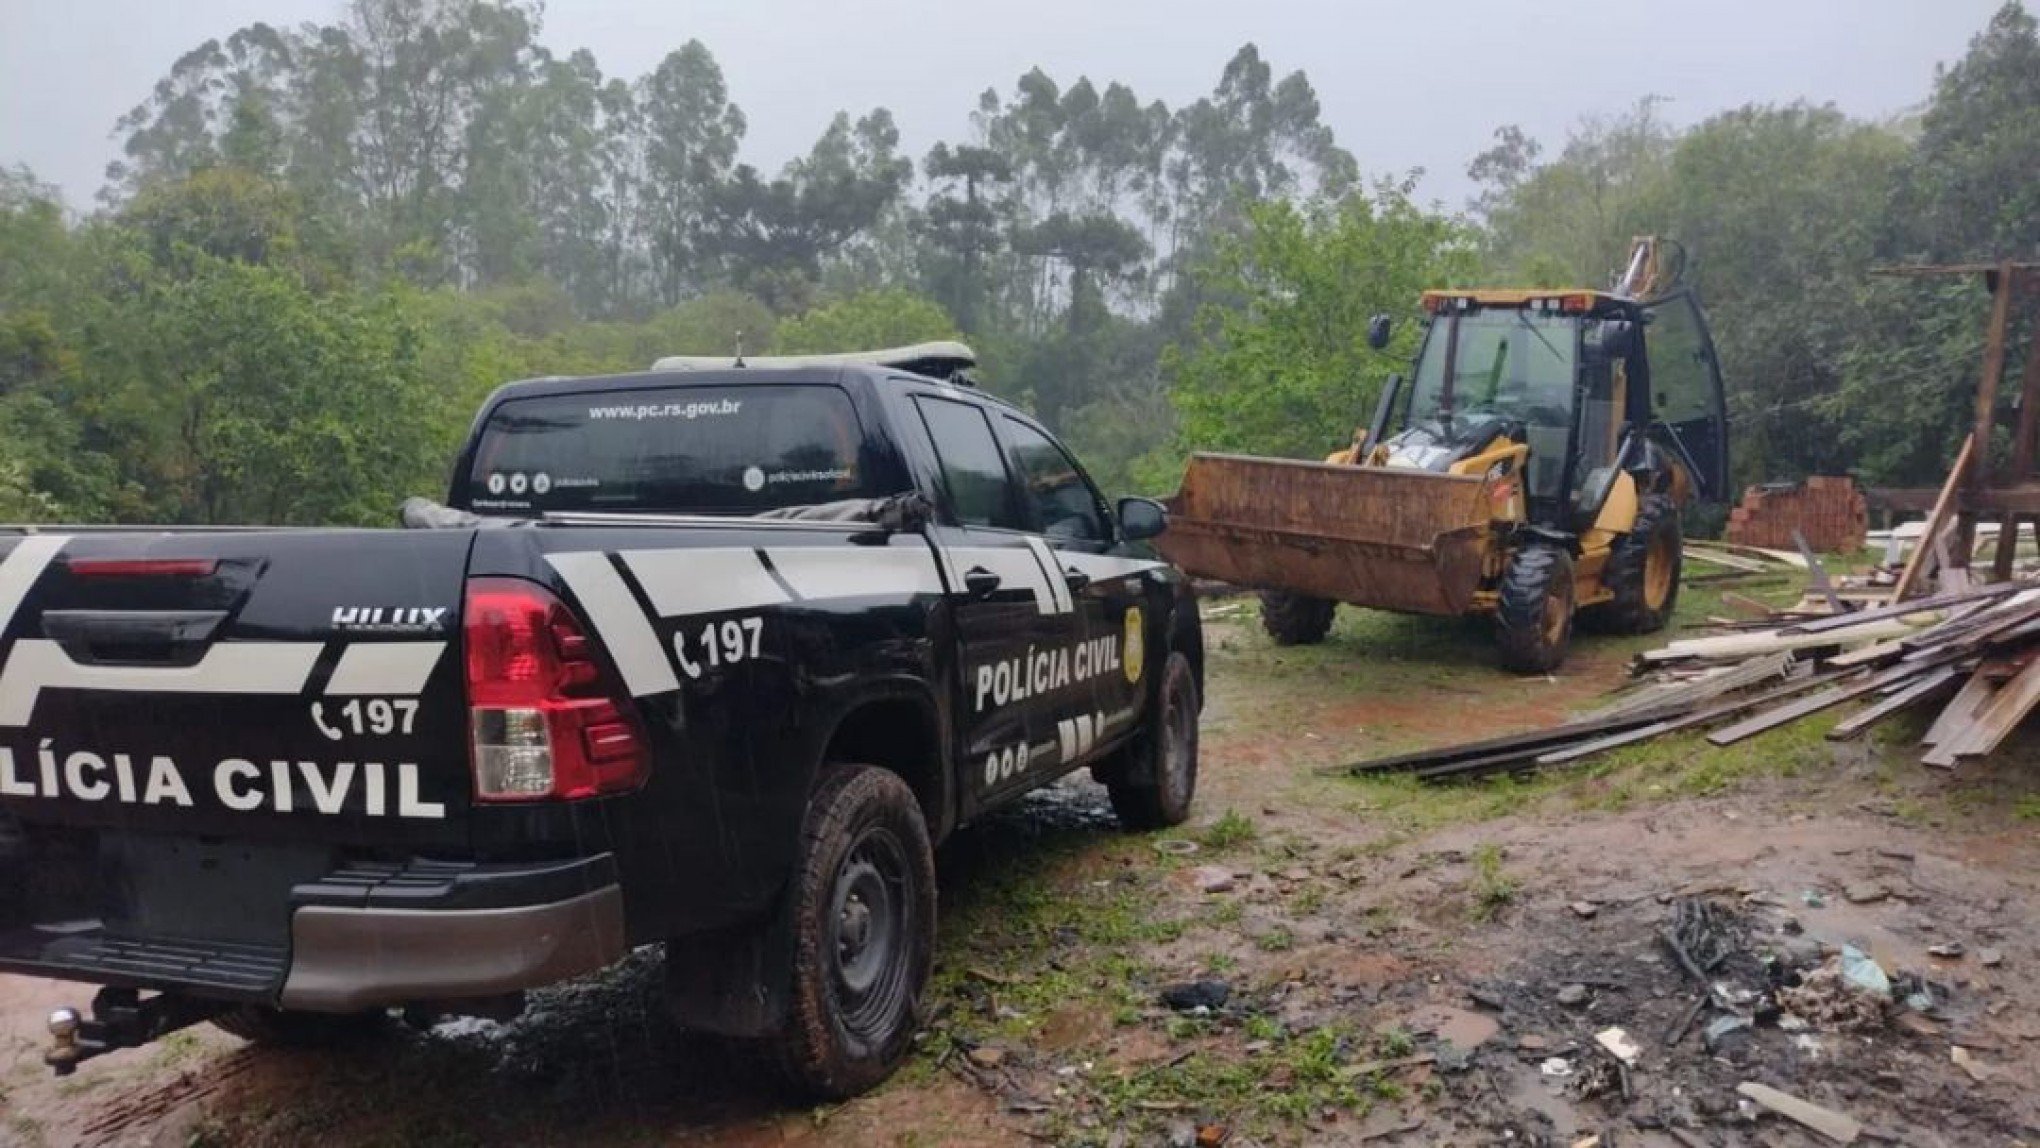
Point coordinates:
[(868, 321), (1281, 365)]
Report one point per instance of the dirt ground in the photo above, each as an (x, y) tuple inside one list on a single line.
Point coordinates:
[(1398, 965)]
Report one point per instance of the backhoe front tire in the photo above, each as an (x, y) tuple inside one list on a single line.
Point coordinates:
[(1296, 619), (1643, 571), (1534, 619)]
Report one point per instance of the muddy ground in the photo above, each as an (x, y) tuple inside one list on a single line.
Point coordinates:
[(1399, 965)]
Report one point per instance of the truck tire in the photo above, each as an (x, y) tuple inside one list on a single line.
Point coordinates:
[(290, 1028), (863, 935), (1153, 788), (1643, 571), (1534, 619), (1296, 619)]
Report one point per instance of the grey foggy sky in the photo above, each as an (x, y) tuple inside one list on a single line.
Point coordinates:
[(1404, 85)]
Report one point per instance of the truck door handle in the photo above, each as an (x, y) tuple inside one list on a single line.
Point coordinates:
[(1075, 579), (980, 581)]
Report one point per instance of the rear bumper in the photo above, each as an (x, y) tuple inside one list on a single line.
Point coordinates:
[(364, 937), (343, 960)]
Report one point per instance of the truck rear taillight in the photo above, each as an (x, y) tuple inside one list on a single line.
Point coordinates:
[(547, 720)]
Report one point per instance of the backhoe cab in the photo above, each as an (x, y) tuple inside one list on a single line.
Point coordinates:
[(1533, 467)]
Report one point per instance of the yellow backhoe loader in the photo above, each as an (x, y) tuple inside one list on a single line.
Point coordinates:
[(1533, 468)]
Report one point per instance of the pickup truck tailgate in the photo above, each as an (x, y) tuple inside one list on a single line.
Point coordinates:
[(285, 690)]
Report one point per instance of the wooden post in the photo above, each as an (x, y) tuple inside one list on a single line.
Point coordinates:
[(1986, 399), (2027, 442)]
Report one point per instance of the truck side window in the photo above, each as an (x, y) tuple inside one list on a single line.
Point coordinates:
[(1063, 501), (980, 490)]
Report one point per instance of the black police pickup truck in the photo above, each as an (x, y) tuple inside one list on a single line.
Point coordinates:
[(706, 657)]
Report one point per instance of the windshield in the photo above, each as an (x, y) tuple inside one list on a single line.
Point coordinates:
[(710, 450), (1514, 363)]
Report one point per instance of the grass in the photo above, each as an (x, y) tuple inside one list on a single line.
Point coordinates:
[(1231, 829), (2027, 808), (1493, 889)]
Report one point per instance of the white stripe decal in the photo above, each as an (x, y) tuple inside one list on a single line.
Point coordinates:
[(1103, 566), (227, 668), (830, 573), (1058, 585), (20, 569), (618, 621), (706, 581), (398, 668)]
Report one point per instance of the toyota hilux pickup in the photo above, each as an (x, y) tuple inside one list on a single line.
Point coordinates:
[(709, 656)]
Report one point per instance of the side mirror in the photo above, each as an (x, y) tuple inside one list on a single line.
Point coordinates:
[(1617, 339), (1141, 518), (1377, 332)]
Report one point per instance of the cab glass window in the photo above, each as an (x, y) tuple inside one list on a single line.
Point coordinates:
[(973, 473), (1063, 501)]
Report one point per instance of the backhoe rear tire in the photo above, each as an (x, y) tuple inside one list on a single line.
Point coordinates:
[(1643, 571), (1296, 619), (1534, 620)]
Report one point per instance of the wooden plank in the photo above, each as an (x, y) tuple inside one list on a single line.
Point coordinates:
[(1902, 609), (1769, 641), (1935, 682), (1985, 425), (1961, 709), (1493, 746), (1937, 518), (1706, 687), (1717, 558), (1773, 718), (1687, 721), (1836, 1126), (2024, 444), (1992, 724)]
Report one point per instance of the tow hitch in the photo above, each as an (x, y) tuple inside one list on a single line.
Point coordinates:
[(120, 1019)]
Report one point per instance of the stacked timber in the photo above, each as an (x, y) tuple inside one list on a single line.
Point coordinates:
[(1975, 653)]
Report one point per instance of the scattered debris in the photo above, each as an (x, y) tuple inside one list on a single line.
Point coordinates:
[(1969, 1064), (1556, 1067), (1176, 846), (1204, 994), (1865, 893), (1864, 973), (987, 1057), (1212, 878), (1989, 958), (1948, 951), (1585, 909), (1619, 1045), (1834, 1125), (1572, 996)]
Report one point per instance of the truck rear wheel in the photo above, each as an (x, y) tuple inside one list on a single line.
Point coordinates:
[(1296, 619), (1643, 571), (863, 934), (1534, 619), (1153, 788), (290, 1028)]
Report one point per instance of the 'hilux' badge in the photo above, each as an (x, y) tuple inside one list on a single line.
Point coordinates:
[(389, 620)]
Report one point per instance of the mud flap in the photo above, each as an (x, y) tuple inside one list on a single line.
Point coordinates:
[(734, 982)]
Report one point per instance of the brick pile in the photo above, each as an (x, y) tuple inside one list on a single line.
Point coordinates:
[(1830, 511)]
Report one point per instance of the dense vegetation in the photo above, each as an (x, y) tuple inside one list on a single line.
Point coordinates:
[(324, 245)]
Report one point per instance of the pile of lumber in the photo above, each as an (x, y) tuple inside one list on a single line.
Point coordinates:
[(1974, 652)]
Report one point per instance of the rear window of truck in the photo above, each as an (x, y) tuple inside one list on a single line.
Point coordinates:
[(681, 450)]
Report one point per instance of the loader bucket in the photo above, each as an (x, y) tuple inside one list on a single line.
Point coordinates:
[(1407, 540)]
